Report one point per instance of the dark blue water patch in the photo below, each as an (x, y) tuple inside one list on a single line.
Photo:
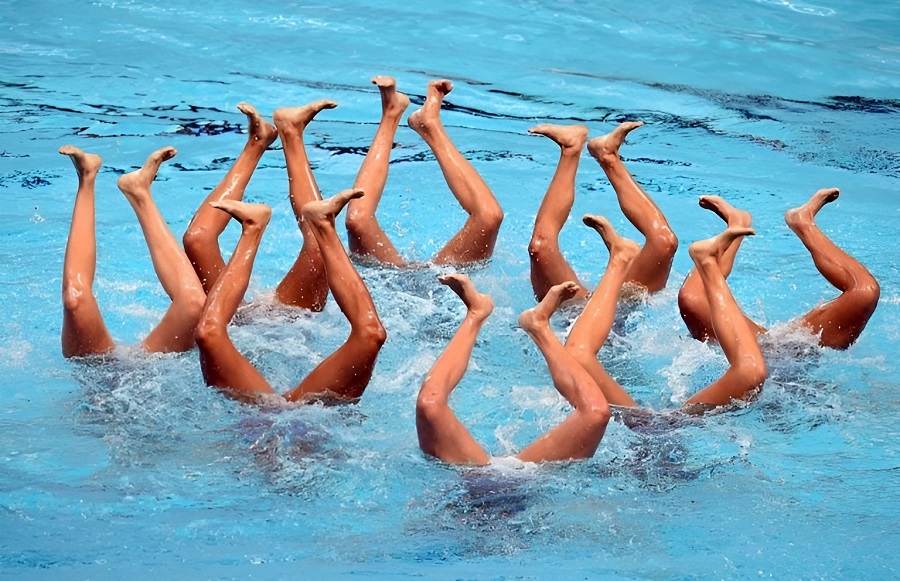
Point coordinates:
[(28, 180)]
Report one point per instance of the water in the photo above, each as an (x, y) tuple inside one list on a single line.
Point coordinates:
[(137, 467)]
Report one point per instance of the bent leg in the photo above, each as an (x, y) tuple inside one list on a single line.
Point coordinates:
[(840, 321), (441, 434), (593, 326), (201, 239), (222, 364), (305, 284), (344, 374), (364, 233), (175, 332), (83, 329), (652, 266), (747, 372), (579, 434), (548, 265), (476, 239), (692, 303)]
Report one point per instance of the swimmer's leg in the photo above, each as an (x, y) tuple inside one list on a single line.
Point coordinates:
[(441, 434), (344, 374), (652, 266), (476, 239), (364, 233), (223, 366), (692, 303), (840, 321), (579, 434), (747, 372), (548, 265), (593, 326), (305, 284), (83, 329), (201, 239), (175, 332)]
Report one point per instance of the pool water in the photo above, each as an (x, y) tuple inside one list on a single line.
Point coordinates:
[(135, 467)]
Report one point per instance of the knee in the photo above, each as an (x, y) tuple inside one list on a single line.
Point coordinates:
[(539, 245), (372, 333), (754, 373), (491, 217), (195, 240), (193, 303), (665, 241), (357, 222), (208, 333), (75, 294), (867, 293), (430, 404), (596, 411)]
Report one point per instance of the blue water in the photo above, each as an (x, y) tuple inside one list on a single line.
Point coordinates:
[(137, 468)]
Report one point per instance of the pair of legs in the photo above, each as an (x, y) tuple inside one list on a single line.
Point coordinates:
[(344, 374), (443, 436), (475, 241), (837, 323), (305, 284), (84, 332), (747, 369), (548, 265)]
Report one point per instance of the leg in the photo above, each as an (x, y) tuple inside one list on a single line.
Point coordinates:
[(175, 332), (441, 434), (475, 241), (592, 328), (692, 301), (83, 329), (747, 371), (840, 321), (305, 284), (364, 233), (651, 268), (201, 239), (344, 374), (579, 434), (548, 265), (223, 365)]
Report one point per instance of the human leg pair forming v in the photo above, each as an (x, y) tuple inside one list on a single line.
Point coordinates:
[(837, 323), (476, 239), (84, 331), (651, 268), (344, 374), (443, 436)]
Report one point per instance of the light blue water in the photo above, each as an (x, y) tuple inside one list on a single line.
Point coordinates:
[(139, 468)]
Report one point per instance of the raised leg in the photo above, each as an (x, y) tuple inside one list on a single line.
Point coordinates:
[(747, 372), (344, 374), (692, 303), (441, 434), (592, 328), (476, 239), (364, 233), (83, 329), (223, 366), (201, 239), (579, 434), (840, 321), (175, 332), (548, 265), (652, 266), (305, 284)]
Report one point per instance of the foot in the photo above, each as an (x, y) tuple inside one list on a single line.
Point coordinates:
[(805, 214), (295, 119), (712, 248), (325, 211), (620, 248), (606, 147), (538, 317), (249, 215), (393, 102), (136, 185), (479, 305), (86, 164), (429, 116), (731, 215), (570, 138), (258, 129)]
